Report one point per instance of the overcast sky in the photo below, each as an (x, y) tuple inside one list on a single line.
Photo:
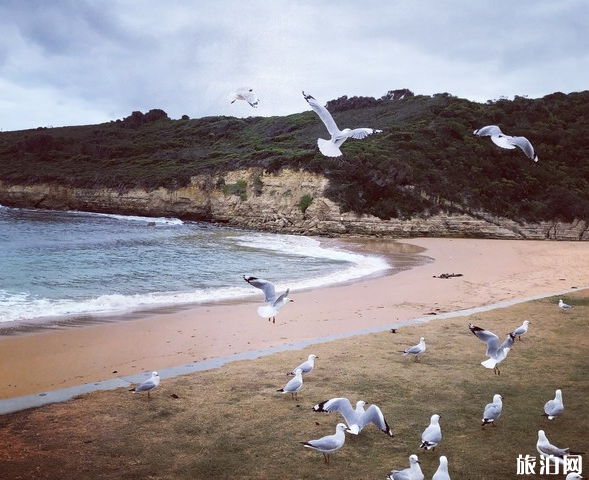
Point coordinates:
[(78, 62)]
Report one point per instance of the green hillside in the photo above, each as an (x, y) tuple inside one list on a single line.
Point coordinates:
[(426, 158)]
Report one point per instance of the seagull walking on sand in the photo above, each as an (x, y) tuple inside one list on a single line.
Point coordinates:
[(432, 435), (331, 147), (306, 366), (273, 303), (554, 408), (412, 473), (356, 418), (564, 306), (492, 410), (330, 443), (442, 471), (507, 141), (148, 384), (246, 94), (546, 449), (293, 385), (415, 350), (495, 352), (521, 330)]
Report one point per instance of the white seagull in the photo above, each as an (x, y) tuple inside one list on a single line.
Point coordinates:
[(412, 473), (521, 330), (442, 471), (564, 306), (492, 410), (415, 350), (273, 303), (574, 476), (356, 418), (331, 147), (554, 408), (148, 384), (306, 366), (246, 94), (432, 435), (507, 141), (546, 449), (293, 385), (495, 352), (330, 443)]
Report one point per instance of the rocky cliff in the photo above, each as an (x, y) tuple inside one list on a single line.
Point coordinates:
[(286, 202)]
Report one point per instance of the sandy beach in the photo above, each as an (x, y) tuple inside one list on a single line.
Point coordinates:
[(491, 271)]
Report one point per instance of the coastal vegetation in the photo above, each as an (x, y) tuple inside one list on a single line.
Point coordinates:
[(425, 161)]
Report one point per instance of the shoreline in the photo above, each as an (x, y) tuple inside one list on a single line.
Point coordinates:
[(493, 271)]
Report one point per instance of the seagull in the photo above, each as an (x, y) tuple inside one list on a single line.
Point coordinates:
[(306, 366), (148, 384), (330, 148), (522, 329), (442, 471), (330, 443), (273, 303), (357, 418), (574, 476), (507, 141), (432, 435), (412, 473), (546, 449), (415, 350), (293, 385), (495, 352), (492, 410), (554, 408), (246, 94), (564, 306)]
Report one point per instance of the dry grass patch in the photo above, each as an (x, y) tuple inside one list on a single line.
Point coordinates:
[(231, 422)]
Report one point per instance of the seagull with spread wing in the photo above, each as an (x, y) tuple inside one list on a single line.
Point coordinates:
[(507, 141), (273, 303), (246, 94), (496, 353)]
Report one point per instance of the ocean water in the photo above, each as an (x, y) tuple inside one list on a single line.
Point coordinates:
[(71, 264)]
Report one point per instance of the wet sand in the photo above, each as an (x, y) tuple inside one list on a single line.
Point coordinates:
[(101, 348)]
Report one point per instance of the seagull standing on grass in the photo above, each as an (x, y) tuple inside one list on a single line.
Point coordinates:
[(148, 384), (521, 330), (273, 303), (495, 352), (412, 473), (331, 147), (330, 443), (554, 408), (415, 350), (442, 471), (432, 435), (246, 94), (546, 449), (507, 141), (564, 306), (493, 410), (306, 366), (293, 385), (357, 418)]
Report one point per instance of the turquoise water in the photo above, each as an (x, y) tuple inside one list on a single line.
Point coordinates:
[(60, 264)]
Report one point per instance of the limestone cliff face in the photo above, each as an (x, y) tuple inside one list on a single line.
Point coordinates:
[(287, 202)]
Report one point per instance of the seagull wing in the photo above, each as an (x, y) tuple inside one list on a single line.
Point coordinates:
[(488, 337), (488, 131), (374, 415), (503, 141), (341, 405), (324, 115), (546, 448), (360, 133), (492, 411), (525, 145), (280, 300), (265, 286)]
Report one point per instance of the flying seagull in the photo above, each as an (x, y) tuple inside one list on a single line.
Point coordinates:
[(554, 408), (415, 350), (246, 94), (273, 303), (495, 352), (331, 147), (432, 435), (412, 473), (564, 306), (356, 418), (148, 384), (521, 330), (546, 449), (306, 366), (293, 385), (507, 141), (492, 410), (330, 443)]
